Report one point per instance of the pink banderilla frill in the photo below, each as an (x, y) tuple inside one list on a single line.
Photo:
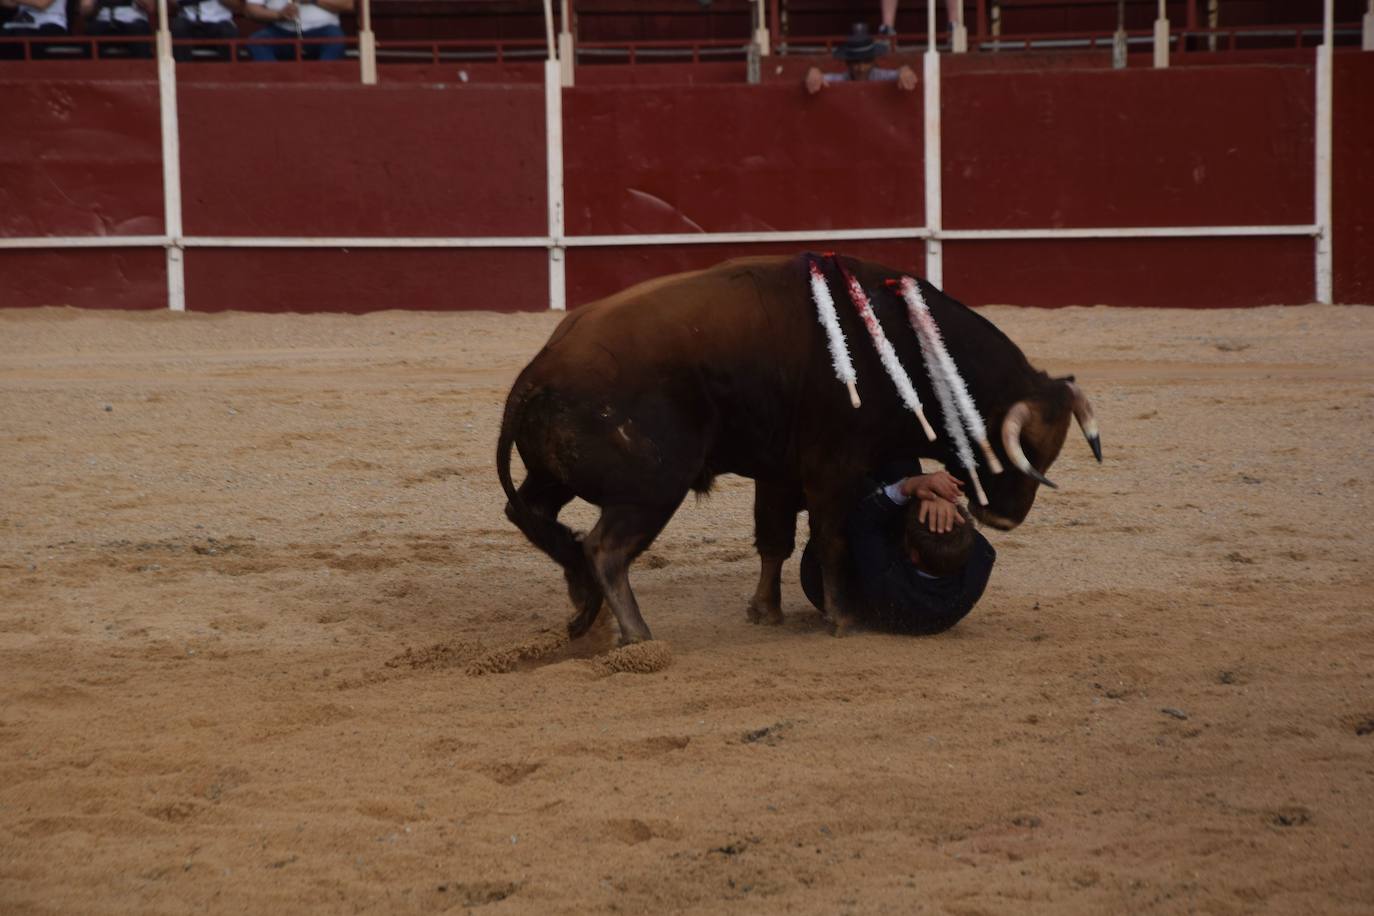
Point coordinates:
[(955, 402), (886, 354)]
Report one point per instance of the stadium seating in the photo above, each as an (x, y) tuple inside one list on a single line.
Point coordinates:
[(677, 30)]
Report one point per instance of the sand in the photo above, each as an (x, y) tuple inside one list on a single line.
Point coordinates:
[(268, 645)]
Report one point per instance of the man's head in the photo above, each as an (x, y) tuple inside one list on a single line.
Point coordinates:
[(859, 51), (938, 554)]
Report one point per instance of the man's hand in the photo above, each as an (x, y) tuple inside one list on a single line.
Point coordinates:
[(814, 81), (906, 79), (939, 515), (289, 13), (940, 485)]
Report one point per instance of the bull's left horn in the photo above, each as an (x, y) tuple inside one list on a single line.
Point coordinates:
[(1083, 413), (1011, 442)]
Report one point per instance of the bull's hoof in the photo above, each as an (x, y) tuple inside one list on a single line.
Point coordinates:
[(770, 615), (839, 626)]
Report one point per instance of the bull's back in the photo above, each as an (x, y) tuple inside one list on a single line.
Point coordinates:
[(674, 380)]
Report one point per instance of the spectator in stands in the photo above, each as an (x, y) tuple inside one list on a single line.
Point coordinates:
[(889, 16), (205, 19), (298, 19), (32, 19), (105, 18), (858, 52)]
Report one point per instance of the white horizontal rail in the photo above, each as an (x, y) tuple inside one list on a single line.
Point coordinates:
[(1143, 232), (738, 238), (88, 241), (684, 238), (246, 241)]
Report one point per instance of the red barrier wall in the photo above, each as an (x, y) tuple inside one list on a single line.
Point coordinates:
[(338, 160), (597, 272), (1353, 178), (80, 158), (365, 280), (271, 156), (1076, 149)]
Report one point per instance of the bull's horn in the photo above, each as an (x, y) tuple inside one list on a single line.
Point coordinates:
[(1083, 413), (1011, 442)]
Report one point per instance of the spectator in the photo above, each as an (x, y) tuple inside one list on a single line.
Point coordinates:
[(205, 19), (303, 19), (858, 52), (889, 16), (106, 18), (32, 19)]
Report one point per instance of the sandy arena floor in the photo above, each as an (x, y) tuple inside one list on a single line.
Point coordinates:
[(256, 590)]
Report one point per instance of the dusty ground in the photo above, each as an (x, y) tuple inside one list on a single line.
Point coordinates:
[(250, 567)]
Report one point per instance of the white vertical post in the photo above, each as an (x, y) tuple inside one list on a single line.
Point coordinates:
[(761, 37), (553, 133), (1162, 36), (1367, 42), (958, 42), (367, 46), (1323, 143), (548, 28), (930, 26), (935, 273), (171, 162), (566, 53)]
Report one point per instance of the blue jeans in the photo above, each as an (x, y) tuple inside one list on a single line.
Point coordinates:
[(288, 52)]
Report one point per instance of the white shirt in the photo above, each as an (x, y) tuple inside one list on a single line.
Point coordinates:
[(208, 11), (31, 17), (130, 13), (312, 16)]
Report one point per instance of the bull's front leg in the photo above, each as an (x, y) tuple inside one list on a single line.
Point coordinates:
[(827, 510), (776, 504)]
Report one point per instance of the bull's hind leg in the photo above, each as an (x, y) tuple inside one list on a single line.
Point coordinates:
[(546, 495), (622, 533), (775, 535)]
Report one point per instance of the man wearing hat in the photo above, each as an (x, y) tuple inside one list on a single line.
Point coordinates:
[(858, 52)]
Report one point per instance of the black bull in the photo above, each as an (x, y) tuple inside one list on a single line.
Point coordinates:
[(641, 397)]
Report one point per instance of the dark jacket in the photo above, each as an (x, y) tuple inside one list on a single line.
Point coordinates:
[(892, 594)]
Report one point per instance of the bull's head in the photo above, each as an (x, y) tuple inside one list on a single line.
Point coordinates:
[(1032, 433)]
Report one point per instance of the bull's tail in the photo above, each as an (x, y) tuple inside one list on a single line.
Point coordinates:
[(544, 531), (548, 534)]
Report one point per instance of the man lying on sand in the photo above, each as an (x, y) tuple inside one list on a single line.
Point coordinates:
[(916, 563)]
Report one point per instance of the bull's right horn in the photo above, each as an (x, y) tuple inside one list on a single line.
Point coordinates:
[(1011, 442), (1083, 413)]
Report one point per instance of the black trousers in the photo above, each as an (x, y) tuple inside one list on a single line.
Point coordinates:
[(104, 29), (39, 51), (184, 27)]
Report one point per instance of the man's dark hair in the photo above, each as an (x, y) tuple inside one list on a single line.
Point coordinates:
[(940, 554)]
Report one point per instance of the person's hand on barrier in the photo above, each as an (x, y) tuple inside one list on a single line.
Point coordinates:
[(906, 78), (814, 81), (939, 515)]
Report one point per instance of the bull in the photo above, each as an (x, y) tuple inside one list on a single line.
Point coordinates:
[(649, 394)]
